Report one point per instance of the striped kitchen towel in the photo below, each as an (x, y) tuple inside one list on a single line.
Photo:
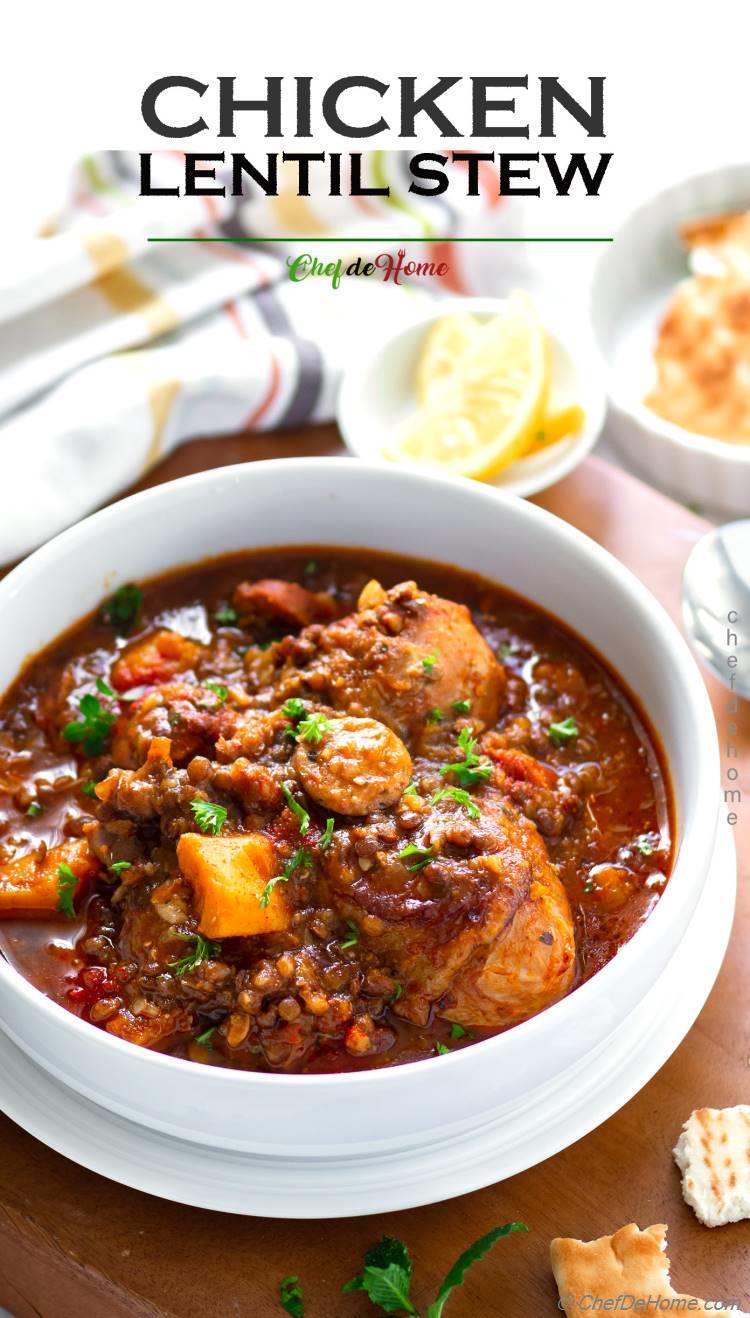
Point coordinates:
[(114, 349)]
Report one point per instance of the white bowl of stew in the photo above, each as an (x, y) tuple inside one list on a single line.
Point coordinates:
[(366, 1018)]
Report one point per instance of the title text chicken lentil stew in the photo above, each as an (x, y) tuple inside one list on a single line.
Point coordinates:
[(291, 811)]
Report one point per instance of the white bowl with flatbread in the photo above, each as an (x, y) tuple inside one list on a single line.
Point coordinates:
[(675, 385)]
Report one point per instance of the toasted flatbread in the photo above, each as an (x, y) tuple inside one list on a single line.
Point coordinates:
[(629, 1263), (702, 358), (720, 245), (713, 1154)]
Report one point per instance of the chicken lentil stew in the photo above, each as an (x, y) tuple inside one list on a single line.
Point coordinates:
[(291, 811)]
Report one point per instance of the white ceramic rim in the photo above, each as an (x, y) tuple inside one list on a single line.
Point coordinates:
[(583, 356), (690, 441), (696, 842)]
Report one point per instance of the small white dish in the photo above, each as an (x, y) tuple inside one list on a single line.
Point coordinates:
[(519, 1136), (633, 283), (377, 395)]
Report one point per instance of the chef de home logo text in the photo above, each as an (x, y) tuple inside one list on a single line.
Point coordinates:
[(392, 267)]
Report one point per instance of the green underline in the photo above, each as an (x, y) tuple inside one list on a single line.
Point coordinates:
[(386, 241)]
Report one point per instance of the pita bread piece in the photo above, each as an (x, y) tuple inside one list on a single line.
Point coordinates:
[(631, 1262), (702, 359), (713, 1154)]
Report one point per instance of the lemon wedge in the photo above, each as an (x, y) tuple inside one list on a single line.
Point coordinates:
[(482, 414), (556, 425), (447, 342)]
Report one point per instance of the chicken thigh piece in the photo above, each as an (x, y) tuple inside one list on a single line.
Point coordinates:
[(402, 654), (469, 913)]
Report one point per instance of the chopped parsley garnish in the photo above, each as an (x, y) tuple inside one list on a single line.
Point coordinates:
[(462, 706), (435, 716), (121, 609), (293, 709), (411, 790), (94, 727), (217, 689), (302, 816), (89, 788), (458, 1031), (226, 615), (312, 728), (471, 770), (34, 810), (352, 936), (203, 951), (506, 650), (311, 567), (292, 1298), (429, 661), (104, 687), (644, 844), (205, 1038), (387, 1274), (300, 858), (327, 837), (119, 866), (423, 856), (461, 796), (441, 1049), (588, 885), (562, 733), (67, 882), (397, 993), (209, 816)]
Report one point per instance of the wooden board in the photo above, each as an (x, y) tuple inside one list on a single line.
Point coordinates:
[(73, 1245)]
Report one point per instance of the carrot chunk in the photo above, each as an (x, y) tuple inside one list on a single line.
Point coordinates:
[(228, 875), (154, 660), (30, 883)]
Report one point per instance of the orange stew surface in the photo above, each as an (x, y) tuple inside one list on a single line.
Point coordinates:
[(315, 810)]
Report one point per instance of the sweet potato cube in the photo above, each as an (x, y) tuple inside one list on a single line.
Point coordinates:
[(228, 875), (154, 660), (29, 884)]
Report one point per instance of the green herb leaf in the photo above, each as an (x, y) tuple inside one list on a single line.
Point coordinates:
[(434, 716), (293, 709), (119, 866), (411, 790), (458, 1031), (204, 950), (562, 733), (209, 816), (296, 809), (461, 796), (471, 770), (205, 1038), (121, 609), (441, 1049), (352, 937), (67, 882), (217, 688), (94, 727), (475, 1252), (429, 661), (462, 706), (386, 1276), (311, 567), (643, 843), (292, 1297), (89, 788), (397, 993), (423, 854), (226, 615), (312, 728), (506, 650), (34, 810), (104, 687), (327, 837), (300, 858)]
